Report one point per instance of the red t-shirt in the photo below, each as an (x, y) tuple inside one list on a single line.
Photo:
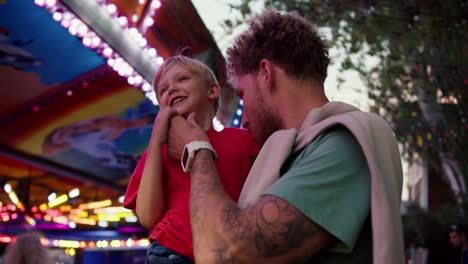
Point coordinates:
[(236, 153)]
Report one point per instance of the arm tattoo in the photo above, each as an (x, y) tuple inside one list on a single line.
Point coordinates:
[(270, 228), (273, 225)]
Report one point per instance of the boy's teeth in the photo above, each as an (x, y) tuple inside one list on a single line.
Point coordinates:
[(177, 100)]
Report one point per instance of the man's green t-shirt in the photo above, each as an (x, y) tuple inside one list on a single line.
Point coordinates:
[(329, 181)]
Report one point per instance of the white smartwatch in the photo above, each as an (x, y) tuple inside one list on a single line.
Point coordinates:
[(189, 153)]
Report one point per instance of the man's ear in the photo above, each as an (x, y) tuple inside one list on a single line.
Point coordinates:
[(213, 92), (265, 74)]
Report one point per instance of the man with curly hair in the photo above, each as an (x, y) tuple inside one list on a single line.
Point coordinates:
[(326, 186)]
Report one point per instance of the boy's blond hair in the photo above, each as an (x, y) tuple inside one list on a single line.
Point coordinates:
[(192, 65)]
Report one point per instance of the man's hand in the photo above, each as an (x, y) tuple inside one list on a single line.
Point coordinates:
[(182, 132)]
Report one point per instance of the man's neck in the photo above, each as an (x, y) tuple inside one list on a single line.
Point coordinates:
[(297, 102)]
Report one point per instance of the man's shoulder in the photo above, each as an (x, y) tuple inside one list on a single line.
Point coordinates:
[(336, 136)]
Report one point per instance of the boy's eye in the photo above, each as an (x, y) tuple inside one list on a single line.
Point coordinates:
[(163, 90), (182, 78)]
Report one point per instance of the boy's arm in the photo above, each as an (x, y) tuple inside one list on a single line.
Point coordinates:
[(150, 201)]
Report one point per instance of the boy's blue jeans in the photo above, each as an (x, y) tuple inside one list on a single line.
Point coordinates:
[(159, 254)]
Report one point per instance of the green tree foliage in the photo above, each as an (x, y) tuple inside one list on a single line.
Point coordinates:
[(420, 84)]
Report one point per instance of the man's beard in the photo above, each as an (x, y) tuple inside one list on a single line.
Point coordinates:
[(266, 121)]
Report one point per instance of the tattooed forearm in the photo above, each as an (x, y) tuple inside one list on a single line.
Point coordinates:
[(280, 227), (205, 192), (273, 227), (270, 229)]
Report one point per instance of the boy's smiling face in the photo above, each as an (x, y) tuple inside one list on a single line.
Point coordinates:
[(183, 90)]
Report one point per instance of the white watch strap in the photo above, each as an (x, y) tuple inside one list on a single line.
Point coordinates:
[(189, 153)]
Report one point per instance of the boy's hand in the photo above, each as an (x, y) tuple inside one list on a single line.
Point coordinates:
[(161, 125), (182, 132)]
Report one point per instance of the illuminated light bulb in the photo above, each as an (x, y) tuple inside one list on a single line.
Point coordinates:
[(13, 197), (111, 9), (57, 16), (43, 207), (146, 87), (82, 29), (65, 208), (73, 30), (133, 32), (74, 193), (138, 80), (115, 243), (51, 196), (144, 242), (123, 21), (128, 70), (156, 4), (111, 62), (159, 60), (65, 23), (152, 52), (30, 220), (239, 112), (67, 16), (7, 188), (130, 242), (121, 71), (5, 218), (104, 243), (131, 219), (107, 52), (142, 42), (39, 2), (59, 200), (50, 3), (148, 22), (96, 41), (93, 205), (87, 42)]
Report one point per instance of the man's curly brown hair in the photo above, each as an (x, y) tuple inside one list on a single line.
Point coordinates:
[(288, 40)]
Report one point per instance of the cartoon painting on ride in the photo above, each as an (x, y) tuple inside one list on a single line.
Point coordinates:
[(94, 121)]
